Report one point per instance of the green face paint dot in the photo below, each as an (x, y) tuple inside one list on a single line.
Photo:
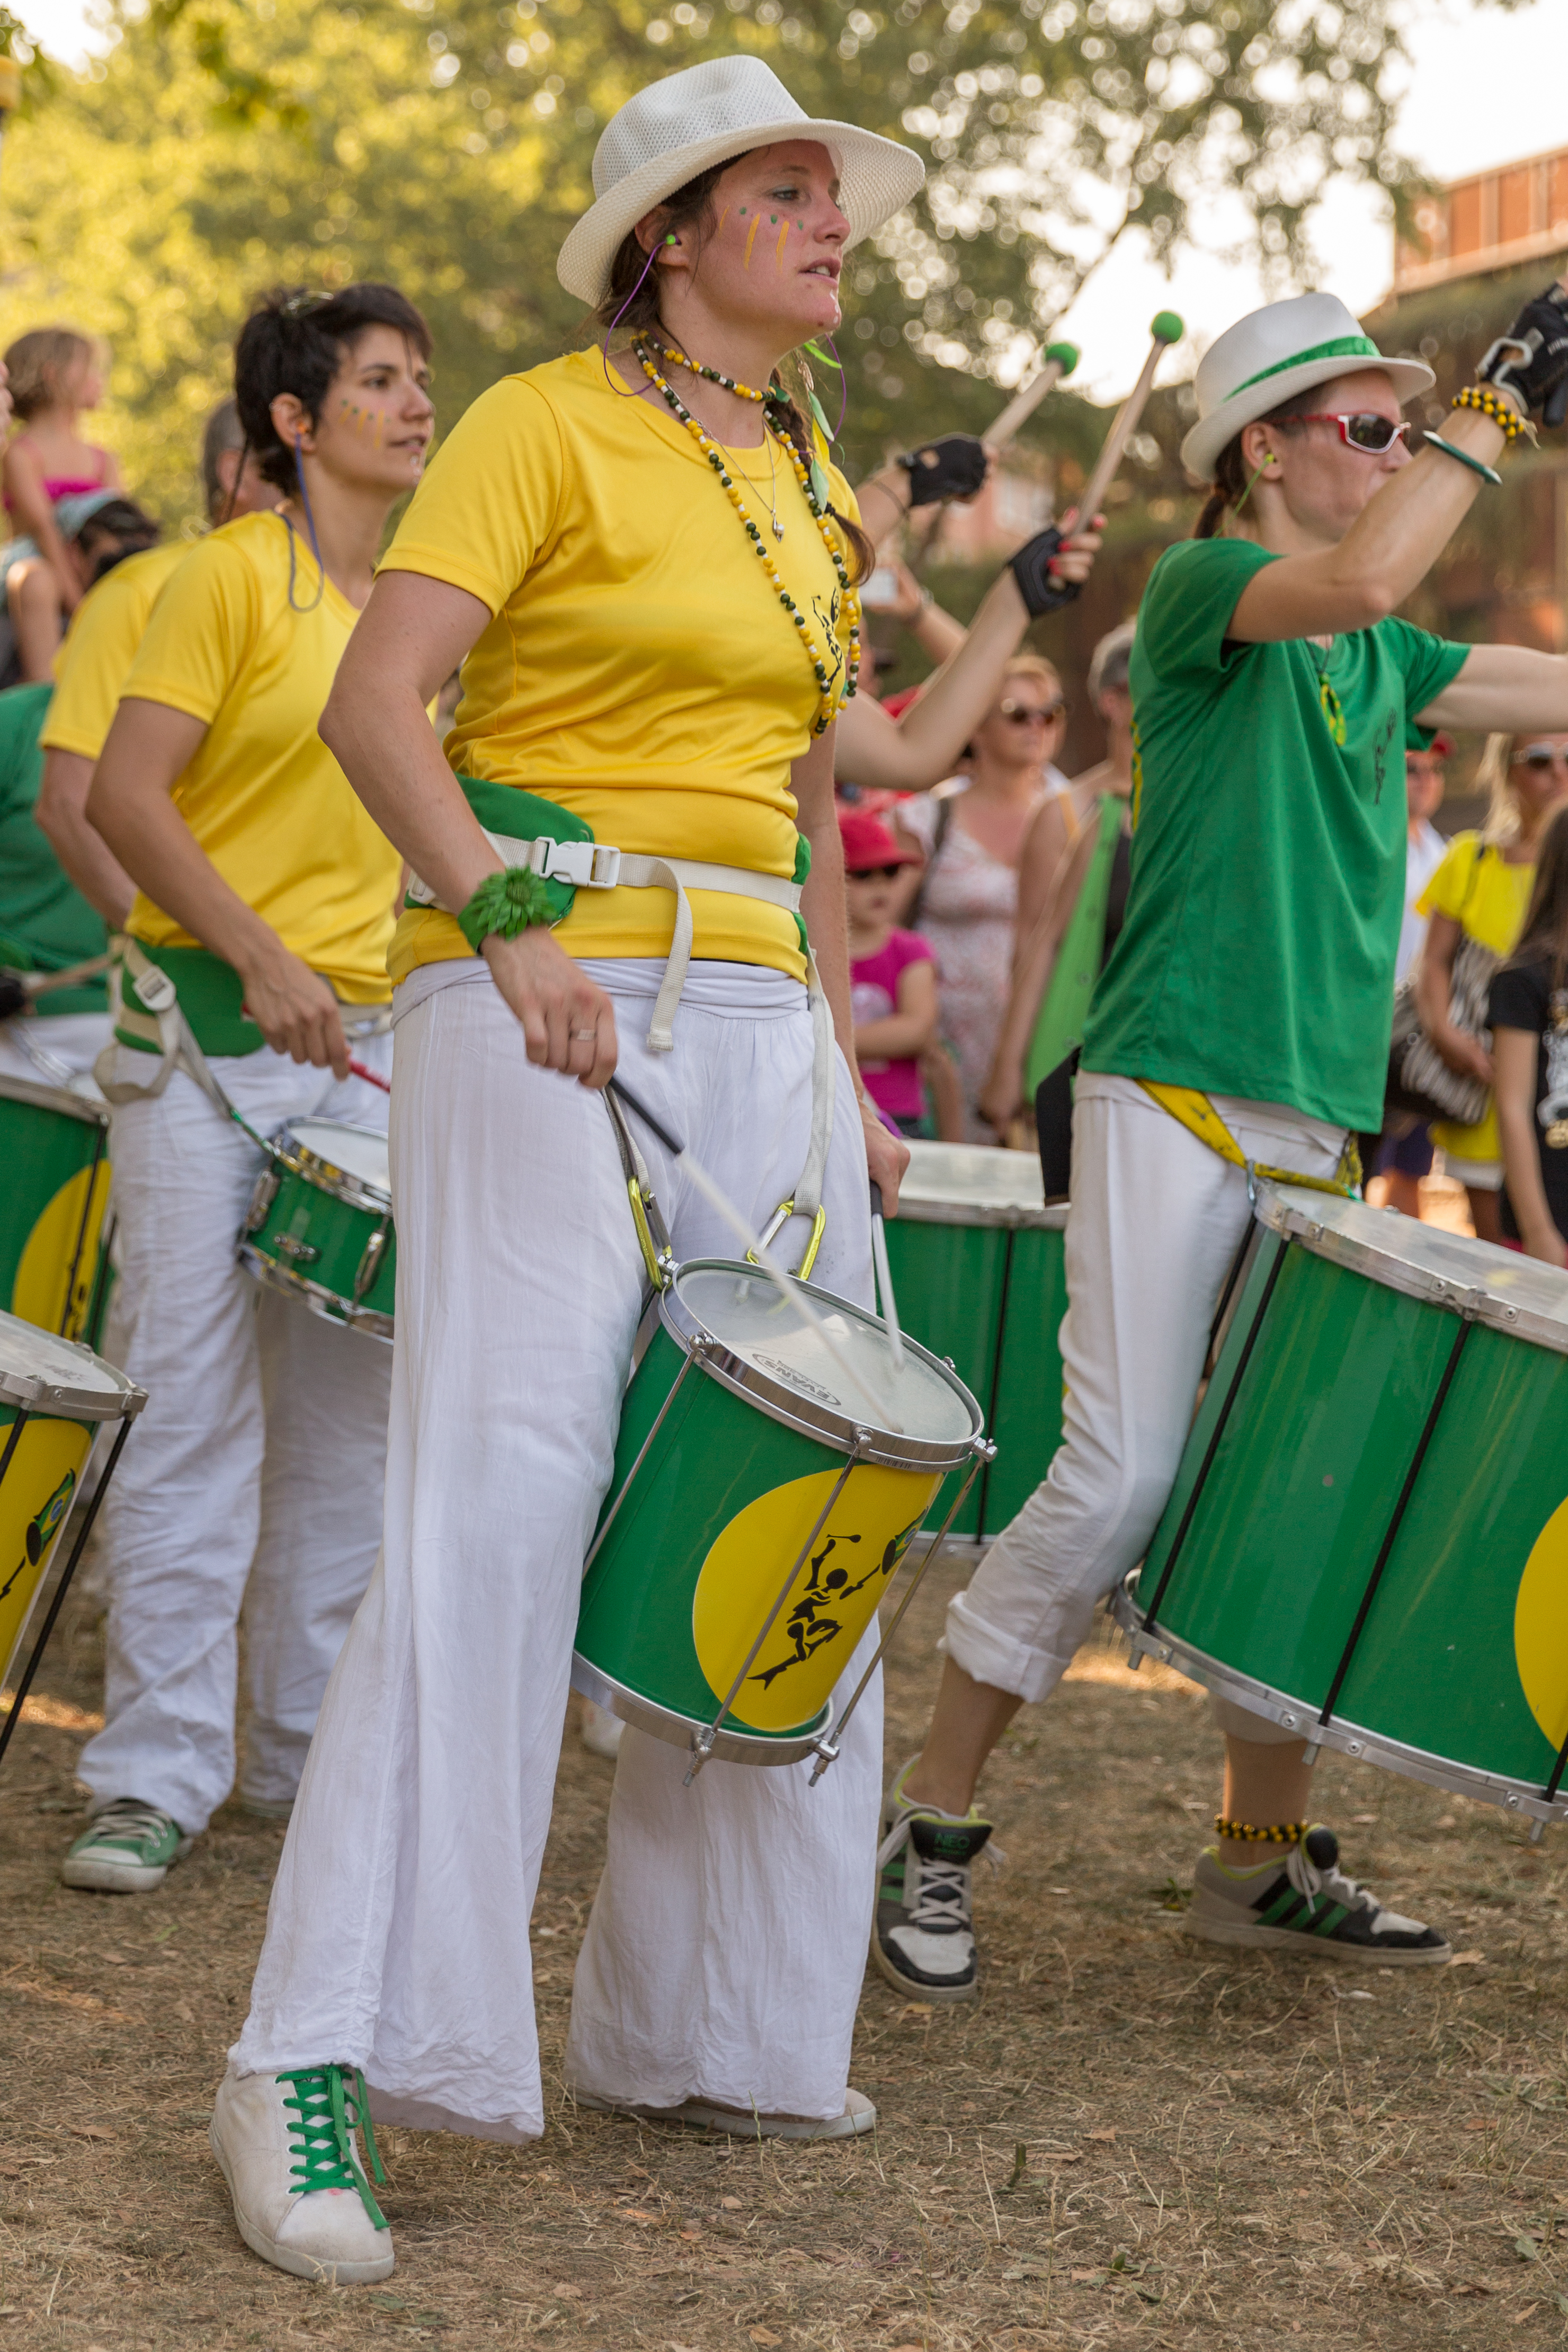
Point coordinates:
[(742, 212), (773, 220)]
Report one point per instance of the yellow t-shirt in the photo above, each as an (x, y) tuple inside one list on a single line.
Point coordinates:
[(1488, 899), (638, 668), (91, 666), (264, 797)]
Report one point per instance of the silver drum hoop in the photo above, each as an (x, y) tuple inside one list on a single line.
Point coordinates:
[(328, 1303), (730, 1746), (327, 1177)]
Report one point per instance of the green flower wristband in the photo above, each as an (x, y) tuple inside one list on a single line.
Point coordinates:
[(506, 903)]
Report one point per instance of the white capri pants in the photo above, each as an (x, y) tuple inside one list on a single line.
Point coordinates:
[(727, 1943), (1155, 1222), (254, 1475)]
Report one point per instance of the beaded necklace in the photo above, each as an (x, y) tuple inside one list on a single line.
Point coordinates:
[(831, 704)]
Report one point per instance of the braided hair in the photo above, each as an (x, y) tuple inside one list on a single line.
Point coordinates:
[(633, 302), (296, 342)]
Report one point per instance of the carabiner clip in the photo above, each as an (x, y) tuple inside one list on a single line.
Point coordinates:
[(776, 1225)]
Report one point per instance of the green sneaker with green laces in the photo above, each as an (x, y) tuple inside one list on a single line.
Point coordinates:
[(289, 2148), (127, 1849)]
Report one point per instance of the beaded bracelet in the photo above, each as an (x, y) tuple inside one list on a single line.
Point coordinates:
[(505, 904), (1476, 466), (1490, 403), (1273, 1833)]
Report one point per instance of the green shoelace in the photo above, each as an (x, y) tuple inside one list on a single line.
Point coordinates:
[(324, 2135)]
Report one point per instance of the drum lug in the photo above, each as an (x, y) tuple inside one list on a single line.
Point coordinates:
[(370, 1263), (263, 1193), (302, 1252)]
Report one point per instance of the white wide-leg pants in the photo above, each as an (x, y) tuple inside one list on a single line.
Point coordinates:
[(75, 1039), (254, 1473), (1155, 1222), (728, 1940)]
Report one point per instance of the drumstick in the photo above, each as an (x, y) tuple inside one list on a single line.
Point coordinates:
[(1166, 328), (372, 1077), (885, 1279), (1060, 359), (788, 1290)]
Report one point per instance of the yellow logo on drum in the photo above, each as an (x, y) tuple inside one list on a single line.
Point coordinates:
[(1541, 1627), (38, 1292), (833, 1599), (39, 1488)]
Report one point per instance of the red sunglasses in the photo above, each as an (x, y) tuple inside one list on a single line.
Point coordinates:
[(1365, 430)]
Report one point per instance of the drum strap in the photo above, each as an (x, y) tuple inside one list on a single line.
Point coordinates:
[(1197, 1114), (595, 866), (158, 1011)]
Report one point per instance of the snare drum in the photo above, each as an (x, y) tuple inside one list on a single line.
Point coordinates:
[(55, 1397), (979, 1275), (320, 1224), (743, 1449), (1367, 1541), (54, 1148)]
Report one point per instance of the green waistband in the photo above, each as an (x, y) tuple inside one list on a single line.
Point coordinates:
[(211, 993)]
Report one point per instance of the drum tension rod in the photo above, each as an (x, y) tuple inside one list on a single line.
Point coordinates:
[(24, 1681), (828, 1747), (1466, 1325)]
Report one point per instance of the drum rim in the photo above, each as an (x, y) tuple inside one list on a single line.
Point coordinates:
[(59, 1400), (44, 1096), (1051, 1218), (731, 1744), (325, 1175), (329, 1304), (782, 1404), (950, 1208), (1291, 1215), (1347, 1738)]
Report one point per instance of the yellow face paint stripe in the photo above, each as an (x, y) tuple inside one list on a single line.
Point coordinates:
[(752, 236), (782, 234)]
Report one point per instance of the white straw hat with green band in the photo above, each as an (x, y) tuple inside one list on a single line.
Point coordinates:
[(1273, 354)]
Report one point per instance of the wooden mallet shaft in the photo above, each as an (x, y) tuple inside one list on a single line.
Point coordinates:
[(1060, 360), (1166, 328)]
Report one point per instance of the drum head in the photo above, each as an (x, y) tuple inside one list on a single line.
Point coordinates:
[(971, 1184), (1497, 1286), (924, 1403), (359, 1152), (57, 1376)]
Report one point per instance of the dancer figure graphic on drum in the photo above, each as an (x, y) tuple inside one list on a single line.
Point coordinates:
[(1242, 1016), (645, 566), (265, 894)]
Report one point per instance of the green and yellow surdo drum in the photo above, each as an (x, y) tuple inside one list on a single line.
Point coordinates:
[(320, 1224), (55, 1398), (1368, 1539), (54, 1149), (979, 1273), (767, 1481)]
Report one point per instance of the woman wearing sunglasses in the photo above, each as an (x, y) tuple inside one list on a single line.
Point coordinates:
[(1253, 977), (1480, 892), (972, 840)]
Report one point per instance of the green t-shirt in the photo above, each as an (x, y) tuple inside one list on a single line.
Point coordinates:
[(45, 924), (1257, 958)]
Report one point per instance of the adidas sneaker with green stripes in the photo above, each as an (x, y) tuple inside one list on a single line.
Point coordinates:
[(1304, 1902)]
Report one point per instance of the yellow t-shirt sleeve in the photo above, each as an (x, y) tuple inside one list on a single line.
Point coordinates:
[(202, 632), (489, 505), (1449, 888), (92, 665)]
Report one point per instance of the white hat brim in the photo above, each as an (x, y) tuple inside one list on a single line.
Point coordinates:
[(876, 178), (1202, 445)]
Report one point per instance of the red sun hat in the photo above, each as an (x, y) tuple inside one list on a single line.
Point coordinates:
[(868, 844)]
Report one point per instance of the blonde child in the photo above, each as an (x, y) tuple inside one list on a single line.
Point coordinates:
[(55, 375)]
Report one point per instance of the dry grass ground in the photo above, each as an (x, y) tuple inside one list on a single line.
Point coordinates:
[(1131, 2140)]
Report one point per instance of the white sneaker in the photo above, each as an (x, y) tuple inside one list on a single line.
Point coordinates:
[(602, 1730), (746, 2122), (288, 2147)]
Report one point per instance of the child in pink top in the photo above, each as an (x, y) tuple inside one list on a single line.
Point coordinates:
[(55, 375), (892, 978)]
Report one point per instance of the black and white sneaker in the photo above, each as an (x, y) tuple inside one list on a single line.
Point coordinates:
[(923, 1941), (1304, 1902)]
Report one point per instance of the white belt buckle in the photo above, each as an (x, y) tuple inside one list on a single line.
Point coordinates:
[(155, 989), (586, 864)]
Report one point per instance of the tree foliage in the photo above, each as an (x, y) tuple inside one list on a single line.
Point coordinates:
[(447, 144)]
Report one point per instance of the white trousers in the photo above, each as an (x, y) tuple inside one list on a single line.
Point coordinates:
[(75, 1038), (1155, 1222), (728, 1939), (254, 1473)]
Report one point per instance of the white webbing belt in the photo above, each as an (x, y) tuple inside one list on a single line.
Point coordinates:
[(595, 866)]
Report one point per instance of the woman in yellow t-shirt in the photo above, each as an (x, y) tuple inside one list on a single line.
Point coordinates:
[(1480, 892), (265, 893), (647, 569)]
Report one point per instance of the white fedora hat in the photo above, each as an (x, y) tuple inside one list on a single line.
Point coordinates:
[(708, 114), (1272, 354)]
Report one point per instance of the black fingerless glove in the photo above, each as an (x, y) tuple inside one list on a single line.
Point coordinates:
[(1531, 360), (952, 467), (1042, 590), (12, 995)]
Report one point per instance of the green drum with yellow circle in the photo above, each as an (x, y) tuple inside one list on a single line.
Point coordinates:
[(977, 1261), (320, 1224), (757, 1511), (54, 1148), (1367, 1541), (56, 1396)]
